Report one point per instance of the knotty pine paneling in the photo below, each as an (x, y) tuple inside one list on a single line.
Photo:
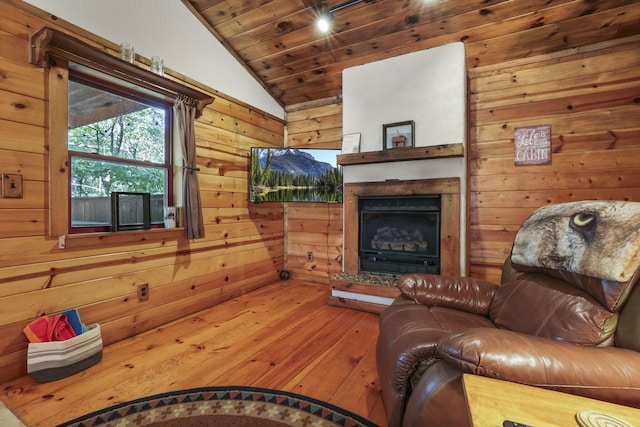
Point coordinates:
[(576, 66), (297, 65), (314, 227), (591, 98), (315, 124), (589, 94), (243, 248)]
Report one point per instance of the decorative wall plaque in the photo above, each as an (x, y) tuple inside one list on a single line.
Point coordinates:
[(398, 135), (532, 145)]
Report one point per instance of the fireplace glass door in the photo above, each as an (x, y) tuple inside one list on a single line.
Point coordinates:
[(400, 234)]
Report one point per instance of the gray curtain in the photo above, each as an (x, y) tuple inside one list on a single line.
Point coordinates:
[(185, 115)]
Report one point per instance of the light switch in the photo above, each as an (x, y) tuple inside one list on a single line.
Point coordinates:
[(11, 186)]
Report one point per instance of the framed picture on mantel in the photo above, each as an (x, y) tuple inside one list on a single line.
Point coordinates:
[(398, 135)]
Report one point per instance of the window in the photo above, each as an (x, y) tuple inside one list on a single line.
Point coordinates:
[(78, 127), (119, 140)]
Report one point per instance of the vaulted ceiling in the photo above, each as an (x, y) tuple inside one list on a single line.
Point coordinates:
[(278, 42)]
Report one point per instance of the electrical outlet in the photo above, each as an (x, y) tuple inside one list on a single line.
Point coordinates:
[(309, 256), (143, 292), (11, 186)]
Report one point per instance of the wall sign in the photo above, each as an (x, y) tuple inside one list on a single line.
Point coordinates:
[(351, 143), (532, 145)]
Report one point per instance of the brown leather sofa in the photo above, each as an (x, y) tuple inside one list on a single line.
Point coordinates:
[(566, 317)]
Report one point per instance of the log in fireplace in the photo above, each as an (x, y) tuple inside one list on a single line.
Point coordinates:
[(400, 234)]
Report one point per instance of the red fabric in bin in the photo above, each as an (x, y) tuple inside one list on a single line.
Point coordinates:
[(49, 328)]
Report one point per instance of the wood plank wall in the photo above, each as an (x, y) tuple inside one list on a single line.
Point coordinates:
[(243, 248), (314, 227), (591, 98), (589, 94)]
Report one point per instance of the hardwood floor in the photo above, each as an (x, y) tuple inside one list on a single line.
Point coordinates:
[(283, 336)]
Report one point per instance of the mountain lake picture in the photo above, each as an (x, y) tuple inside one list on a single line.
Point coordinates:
[(295, 175)]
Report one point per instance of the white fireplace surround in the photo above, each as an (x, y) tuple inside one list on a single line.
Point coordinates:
[(428, 87)]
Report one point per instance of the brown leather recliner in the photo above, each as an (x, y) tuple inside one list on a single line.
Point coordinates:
[(566, 317)]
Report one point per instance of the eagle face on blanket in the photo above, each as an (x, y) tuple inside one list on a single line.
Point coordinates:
[(594, 238)]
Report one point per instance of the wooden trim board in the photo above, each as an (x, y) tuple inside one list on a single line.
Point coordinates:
[(360, 291)]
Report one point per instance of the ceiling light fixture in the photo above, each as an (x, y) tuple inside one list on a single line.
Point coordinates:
[(326, 16), (324, 22)]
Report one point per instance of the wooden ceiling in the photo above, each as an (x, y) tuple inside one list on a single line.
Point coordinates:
[(279, 44)]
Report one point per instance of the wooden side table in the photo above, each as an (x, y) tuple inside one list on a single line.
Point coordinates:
[(492, 401)]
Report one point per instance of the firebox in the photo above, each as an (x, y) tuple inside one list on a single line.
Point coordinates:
[(400, 234)]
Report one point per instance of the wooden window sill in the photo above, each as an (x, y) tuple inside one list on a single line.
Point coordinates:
[(75, 241)]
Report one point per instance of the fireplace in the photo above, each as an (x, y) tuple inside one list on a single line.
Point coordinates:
[(443, 193), (399, 234)]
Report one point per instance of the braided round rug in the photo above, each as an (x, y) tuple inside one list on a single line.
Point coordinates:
[(222, 406)]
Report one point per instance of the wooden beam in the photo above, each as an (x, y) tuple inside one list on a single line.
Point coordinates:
[(369, 307), (402, 154)]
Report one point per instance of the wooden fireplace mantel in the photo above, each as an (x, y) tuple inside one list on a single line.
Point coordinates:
[(448, 188), (402, 154)]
